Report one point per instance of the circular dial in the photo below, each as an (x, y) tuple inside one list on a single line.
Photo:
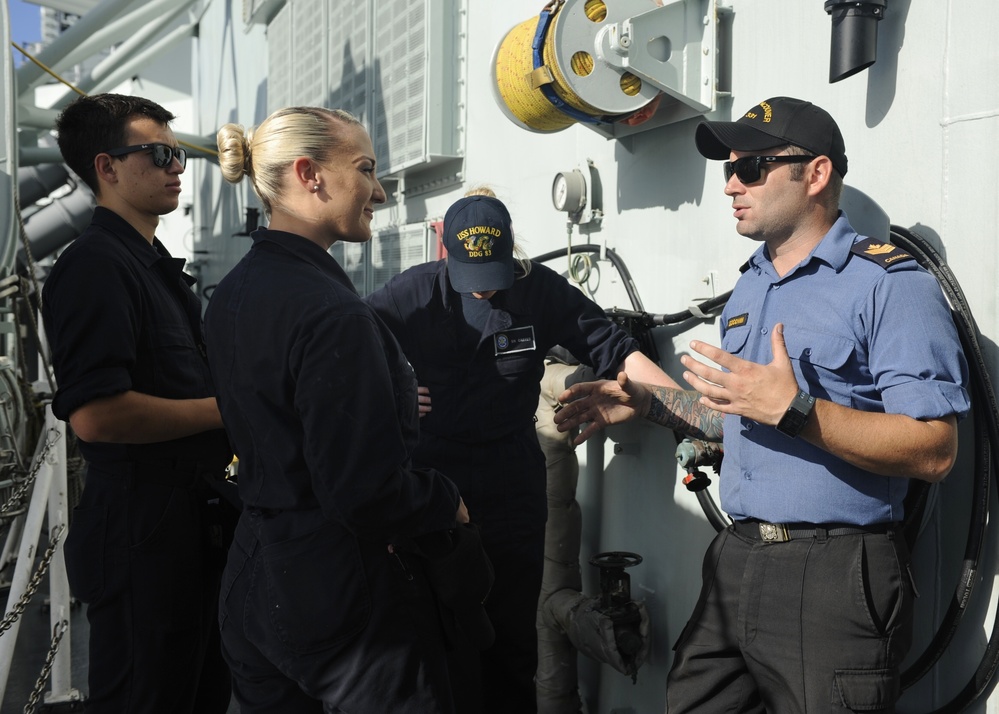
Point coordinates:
[(569, 191)]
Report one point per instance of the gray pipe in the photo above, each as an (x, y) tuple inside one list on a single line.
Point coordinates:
[(569, 622), (30, 75), (36, 182), (557, 678), (58, 223)]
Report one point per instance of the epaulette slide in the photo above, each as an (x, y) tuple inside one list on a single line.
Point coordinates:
[(884, 254)]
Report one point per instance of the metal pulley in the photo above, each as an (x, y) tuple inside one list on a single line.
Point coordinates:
[(605, 63), (547, 72)]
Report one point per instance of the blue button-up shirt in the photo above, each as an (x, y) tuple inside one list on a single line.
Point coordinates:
[(870, 336)]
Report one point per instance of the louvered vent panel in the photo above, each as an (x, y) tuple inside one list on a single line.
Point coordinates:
[(394, 64), (279, 60), (400, 106), (352, 257), (349, 73), (310, 51), (395, 250)]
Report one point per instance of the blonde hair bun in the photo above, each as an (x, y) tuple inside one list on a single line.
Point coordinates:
[(234, 152)]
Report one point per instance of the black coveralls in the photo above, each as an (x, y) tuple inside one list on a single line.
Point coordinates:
[(148, 540), (484, 388), (322, 409)]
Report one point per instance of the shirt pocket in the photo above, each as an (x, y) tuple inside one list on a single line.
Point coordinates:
[(824, 361), (179, 368), (516, 366), (734, 340)]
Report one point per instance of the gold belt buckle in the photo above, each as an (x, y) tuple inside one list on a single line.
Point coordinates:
[(774, 533)]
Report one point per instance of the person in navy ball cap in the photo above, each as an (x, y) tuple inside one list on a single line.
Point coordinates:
[(478, 327)]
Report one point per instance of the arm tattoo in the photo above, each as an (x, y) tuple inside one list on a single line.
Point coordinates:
[(681, 411)]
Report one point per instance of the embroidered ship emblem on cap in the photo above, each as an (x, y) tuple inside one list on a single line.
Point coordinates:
[(478, 240)]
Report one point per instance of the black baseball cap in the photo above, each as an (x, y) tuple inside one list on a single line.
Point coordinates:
[(478, 238), (771, 123)]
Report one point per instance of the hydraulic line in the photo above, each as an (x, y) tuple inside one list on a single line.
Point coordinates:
[(986, 411), (612, 256)]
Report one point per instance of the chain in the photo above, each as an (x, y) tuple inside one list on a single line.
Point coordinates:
[(15, 612), (57, 632), (18, 494)]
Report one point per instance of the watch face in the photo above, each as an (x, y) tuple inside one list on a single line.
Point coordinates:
[(792, 422), (796, 416)]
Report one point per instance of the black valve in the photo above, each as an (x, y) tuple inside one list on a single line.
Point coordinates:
[(616, 604)]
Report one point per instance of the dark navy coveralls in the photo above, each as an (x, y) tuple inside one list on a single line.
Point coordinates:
[(321, 406), (484, 387), (147, 542)]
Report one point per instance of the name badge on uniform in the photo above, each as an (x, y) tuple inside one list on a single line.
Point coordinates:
[(519, 339)]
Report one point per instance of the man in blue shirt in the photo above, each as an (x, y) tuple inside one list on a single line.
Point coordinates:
[(840, 377)]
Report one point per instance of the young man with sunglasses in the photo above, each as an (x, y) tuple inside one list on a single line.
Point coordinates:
[(840, 377), (149, 537)]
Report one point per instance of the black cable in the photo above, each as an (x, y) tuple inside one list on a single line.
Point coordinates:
[(615, 259), (986, 415), (644, 337)]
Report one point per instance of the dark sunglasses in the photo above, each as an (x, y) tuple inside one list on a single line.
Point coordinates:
[(749, 169), (162, 154)]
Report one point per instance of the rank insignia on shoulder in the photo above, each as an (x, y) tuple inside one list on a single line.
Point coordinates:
[(884, 254)]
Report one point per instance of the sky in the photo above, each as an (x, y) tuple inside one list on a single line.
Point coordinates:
[(25, 24)]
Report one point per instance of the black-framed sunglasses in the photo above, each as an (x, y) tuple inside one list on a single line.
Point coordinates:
[(162, 153), (749, 169)]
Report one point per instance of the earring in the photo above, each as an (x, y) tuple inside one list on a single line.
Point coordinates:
[(315, 188)]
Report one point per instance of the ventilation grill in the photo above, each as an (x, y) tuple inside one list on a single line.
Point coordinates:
[(352, 257), (395, 250), (279, 58), (348, 61), (309, 33), (391, 63)]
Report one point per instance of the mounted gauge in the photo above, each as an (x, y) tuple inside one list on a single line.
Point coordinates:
[(569, 191)]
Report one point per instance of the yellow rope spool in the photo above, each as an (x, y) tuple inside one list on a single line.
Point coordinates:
[(571, 67), (561, 84), (512, 68)]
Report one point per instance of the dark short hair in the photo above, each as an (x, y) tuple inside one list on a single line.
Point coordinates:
[(94, 124)]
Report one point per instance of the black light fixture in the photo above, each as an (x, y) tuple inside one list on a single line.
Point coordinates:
[(854, 45)]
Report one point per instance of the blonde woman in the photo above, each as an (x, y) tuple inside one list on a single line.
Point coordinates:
[(318, 613)]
